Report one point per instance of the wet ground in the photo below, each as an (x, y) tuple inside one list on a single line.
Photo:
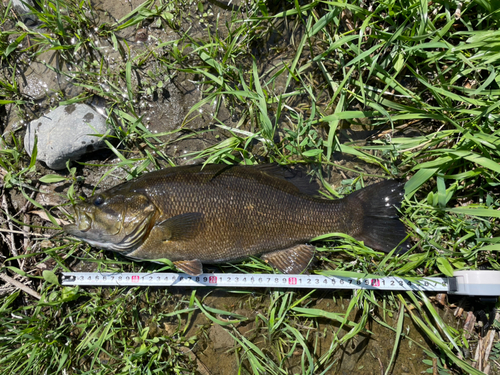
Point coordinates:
[(366, 353), (215, 351)]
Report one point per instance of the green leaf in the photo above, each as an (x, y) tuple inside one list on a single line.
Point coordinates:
[(51, 178), (311, 153), (210, 61), (472, 211), (323, 21), (267, 126), (3, 102), (205, 310), (69, 293), (366, 53), (399, 62), (347, 115), (441, 191), (418, 179), (50, 277), (444, 266), (12, 46), (495, 247), (318, 313), (128, 76), (399, 331)]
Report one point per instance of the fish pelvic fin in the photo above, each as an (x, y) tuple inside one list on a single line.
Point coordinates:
[(293, 260), (377, 209), (191, 267)]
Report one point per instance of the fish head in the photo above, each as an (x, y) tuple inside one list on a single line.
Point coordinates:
[(114, 221)]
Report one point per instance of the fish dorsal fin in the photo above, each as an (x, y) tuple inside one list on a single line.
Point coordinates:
[(182, 227), (191, 267), (297, 176), (293, 260)]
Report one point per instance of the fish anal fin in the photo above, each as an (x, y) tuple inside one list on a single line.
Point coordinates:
[(191, 267), (181, 227), (293, 260)]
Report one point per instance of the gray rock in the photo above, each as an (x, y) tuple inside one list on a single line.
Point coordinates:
[(24, 12), (66, 133)]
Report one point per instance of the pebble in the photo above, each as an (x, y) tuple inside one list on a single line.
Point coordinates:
[(24, 12), (66, 133)]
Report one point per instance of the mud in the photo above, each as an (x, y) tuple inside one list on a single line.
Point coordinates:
[(369, 352)]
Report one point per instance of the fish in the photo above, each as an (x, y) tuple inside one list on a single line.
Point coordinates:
[(195, 215)]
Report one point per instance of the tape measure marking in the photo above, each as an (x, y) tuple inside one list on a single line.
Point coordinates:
[(431, 284)]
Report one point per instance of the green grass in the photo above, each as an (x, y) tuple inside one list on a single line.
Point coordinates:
[(356, 90)]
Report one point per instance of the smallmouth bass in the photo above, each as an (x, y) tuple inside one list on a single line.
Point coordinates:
[(219, 213)]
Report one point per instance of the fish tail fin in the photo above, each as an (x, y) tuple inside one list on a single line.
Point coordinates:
[(378, 205)]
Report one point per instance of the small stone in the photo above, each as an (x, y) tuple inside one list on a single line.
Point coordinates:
[(441, 299), (66, 133), (45, 245), (24, 12), (141, 36)]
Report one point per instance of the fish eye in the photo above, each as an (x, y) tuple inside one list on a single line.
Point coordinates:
[(98, 201)]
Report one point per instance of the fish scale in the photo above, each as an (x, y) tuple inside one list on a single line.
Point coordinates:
[(242, 226), (193, 215)]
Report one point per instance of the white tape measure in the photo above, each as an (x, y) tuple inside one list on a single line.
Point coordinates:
[(476, 283)]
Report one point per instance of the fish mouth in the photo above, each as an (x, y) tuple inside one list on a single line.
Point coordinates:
[(93, 237), (82, 225), (83, 222), (72, 229)]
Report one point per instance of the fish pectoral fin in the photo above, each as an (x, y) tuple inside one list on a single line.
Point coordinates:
[(295, 259), (181, 227), (191, 267)]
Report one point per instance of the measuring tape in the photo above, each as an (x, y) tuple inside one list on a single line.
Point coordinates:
[(473, 283)]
